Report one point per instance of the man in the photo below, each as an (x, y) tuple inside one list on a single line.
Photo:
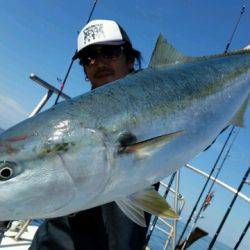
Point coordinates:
[(106, 54)]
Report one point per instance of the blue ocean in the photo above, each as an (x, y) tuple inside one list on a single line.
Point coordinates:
[(158, 238)]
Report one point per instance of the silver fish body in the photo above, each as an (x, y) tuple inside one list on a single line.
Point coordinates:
[(71, 157)]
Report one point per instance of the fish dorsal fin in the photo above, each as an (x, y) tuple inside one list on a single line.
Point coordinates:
[(148, 147), (165, 54), (147, 200), (238, 119)]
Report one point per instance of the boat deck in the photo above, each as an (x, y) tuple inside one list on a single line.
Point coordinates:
[(10, 243)]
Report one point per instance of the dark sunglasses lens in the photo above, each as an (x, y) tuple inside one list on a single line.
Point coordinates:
[(108, 52), (88, 56), (86, 61), (111, 52)]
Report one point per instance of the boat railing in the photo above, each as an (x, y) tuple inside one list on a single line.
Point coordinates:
[(50, 90)]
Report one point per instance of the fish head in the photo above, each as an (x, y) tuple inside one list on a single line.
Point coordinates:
[(44, 172)]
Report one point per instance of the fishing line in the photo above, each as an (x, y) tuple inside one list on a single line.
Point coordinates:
[(72, 60)]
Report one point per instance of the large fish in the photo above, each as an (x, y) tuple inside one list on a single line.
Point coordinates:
[(114, 142)]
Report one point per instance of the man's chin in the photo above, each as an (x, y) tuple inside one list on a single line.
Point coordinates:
[(103, 80)]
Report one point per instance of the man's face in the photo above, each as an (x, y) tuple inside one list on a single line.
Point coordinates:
[(104, 64)]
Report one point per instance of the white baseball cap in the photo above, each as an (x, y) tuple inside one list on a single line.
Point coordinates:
[(104, 32)]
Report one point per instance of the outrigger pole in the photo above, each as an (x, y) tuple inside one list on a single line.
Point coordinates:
[(72, 60), (229, 209)]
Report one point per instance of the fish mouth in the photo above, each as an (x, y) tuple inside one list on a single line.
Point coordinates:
[(38, 201)]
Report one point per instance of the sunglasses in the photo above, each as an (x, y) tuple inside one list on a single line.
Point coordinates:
[(90, 55)]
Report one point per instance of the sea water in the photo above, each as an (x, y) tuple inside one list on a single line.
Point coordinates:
[(158, 239)]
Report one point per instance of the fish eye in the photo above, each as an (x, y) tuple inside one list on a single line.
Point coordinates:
[(6, 170), (6, 173)]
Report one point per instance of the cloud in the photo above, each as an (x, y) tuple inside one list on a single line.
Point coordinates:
[(11, 112)]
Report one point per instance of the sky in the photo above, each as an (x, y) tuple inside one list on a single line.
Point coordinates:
[(40, 37)]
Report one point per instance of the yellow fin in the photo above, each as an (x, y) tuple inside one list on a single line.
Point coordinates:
[(132, 212), (149, 201), (152, 202)]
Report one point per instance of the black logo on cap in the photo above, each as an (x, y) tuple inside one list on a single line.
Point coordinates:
[(93, 32)]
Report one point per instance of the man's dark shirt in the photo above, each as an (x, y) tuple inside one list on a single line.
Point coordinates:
[(103, 228)]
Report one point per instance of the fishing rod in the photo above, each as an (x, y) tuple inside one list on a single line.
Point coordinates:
[(229, 209), (235, 28), (197, 217), (230, 133), (242, 236), (72, 60)]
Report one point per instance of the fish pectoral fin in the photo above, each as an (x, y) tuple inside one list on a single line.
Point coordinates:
[(132, 212), (145, 148), (165, 54), (152, 202), (238, 119), (147, 200)]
